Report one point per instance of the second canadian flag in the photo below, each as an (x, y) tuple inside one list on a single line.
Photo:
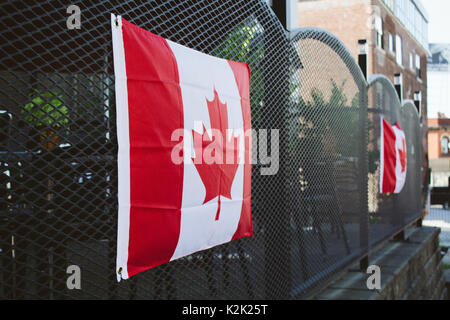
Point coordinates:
[(393, 158)]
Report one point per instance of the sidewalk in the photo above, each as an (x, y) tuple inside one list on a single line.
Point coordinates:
[(440, 218)]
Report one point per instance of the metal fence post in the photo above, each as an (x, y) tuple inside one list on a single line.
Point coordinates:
[(277, 233), (363, 50)]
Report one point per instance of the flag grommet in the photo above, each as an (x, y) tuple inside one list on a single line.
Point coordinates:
[(119, 271)]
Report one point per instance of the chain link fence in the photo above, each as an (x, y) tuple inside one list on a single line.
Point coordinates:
[(327, 189), (58, 154)]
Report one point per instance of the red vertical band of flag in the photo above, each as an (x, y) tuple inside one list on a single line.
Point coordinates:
[(389, 158), (393, 158), (155, 111), (245, 222)]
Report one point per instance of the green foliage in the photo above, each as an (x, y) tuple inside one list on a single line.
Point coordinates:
[(327, 125), (242, 45), (308, 126), (374, 219), (338, 98), (237, 45), (46, 110), (318, 98)]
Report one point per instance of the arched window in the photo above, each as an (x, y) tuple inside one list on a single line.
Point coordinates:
[(445, 145)]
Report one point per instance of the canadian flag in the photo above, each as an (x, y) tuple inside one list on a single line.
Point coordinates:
[(392, 158), (184, 137)]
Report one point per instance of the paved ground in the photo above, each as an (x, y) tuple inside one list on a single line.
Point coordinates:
[(440, 218)]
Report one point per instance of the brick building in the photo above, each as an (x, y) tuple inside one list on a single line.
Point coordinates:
[(397, 35), (439, 151)]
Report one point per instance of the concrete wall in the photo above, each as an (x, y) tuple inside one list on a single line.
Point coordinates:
[(410, 270)]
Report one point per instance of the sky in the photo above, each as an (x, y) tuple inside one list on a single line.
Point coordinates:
[(438, 32), (439, 26)]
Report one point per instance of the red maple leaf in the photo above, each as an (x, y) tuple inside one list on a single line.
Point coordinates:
[(402, 154), (215, 169)]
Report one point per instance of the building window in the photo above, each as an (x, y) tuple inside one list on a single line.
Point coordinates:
[(412, 17), (445, 145), (398, 50), (379, 31), (411, 61), (418, 69), (391, 42)]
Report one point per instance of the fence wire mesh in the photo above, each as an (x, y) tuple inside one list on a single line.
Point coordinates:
[(388, 213), (326, 133), (410, 199), (58, 153)]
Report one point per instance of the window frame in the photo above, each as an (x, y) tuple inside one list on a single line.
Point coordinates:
[(391, 43), (418, 67), (447, 153), (399, 50), (379, 23)]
